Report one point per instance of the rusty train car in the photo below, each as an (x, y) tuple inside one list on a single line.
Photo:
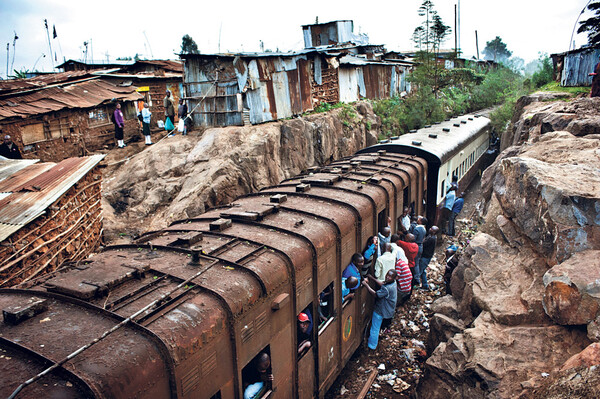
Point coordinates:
[(183, 311)]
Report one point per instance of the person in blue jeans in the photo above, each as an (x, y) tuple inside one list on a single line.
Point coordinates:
[(385, 303), (456, 209), (446, 210), (429, 244)]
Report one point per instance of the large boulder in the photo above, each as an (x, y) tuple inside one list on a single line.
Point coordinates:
[(491, 360), (496, 278), (180, 177), (572, 289), (588, 357), (551, 192)]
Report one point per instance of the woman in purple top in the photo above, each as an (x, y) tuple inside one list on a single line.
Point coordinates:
[(119, 124)]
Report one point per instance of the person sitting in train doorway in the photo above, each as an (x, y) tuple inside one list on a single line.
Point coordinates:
[(349, 284), (456, 209), (384, 263), (256, 376), (385, 303), (354, 268), (304, 334), (447, 209), (411, 249), (405, 221), (369, 254)]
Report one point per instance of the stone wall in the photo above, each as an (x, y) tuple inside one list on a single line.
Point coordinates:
[(181, 177), (526, 294)]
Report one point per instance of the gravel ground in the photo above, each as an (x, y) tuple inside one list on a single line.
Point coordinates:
[(400, 355)]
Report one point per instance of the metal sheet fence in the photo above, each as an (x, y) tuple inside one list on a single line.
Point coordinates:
[(577, 66)]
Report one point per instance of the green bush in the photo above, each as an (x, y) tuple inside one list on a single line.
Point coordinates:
[(544, 74)]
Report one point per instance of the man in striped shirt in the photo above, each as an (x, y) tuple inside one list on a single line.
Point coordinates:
[(404, 282)]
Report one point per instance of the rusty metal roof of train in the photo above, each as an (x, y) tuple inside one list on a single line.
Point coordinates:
[(27, 188), (49, 94), (439, 142)]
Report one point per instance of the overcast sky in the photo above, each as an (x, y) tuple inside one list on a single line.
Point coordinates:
[(154, 29)]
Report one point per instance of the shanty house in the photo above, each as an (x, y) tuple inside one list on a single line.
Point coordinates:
[(152, 78), (250, 88), (572, 68), (66, 114), (49, 214)]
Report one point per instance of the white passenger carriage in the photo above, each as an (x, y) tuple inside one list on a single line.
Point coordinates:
[(454, 147)]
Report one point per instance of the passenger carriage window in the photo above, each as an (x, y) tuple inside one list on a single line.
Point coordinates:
[(257, 376), (442, 187), (326, 308), (216, 396), (304, 322)]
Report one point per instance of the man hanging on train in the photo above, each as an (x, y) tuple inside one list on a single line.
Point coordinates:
[(354, 268), (348, 284), (385, 303), (386, 262), (256, 376), (304, 334)]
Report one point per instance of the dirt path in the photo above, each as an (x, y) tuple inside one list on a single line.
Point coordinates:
[(400, 355)]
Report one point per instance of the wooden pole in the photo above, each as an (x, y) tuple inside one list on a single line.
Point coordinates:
[(455, 34), (477, 44)]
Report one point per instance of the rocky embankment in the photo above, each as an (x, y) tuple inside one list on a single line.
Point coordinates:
[(180, 177), (523, 319)]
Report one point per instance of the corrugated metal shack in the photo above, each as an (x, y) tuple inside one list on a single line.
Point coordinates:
[(152, 79), (571, 68), (66, 114), (250, 88), (49, 214), (234, 89)]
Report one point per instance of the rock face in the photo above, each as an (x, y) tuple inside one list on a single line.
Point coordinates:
[(572, 289), (180, 177), (526, 293)]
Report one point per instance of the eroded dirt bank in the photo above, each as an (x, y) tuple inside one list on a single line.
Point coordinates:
[(180, 177), (523, 319)]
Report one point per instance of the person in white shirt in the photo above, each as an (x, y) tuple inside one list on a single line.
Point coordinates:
[(405, 221), (385, 263), (397, 250)]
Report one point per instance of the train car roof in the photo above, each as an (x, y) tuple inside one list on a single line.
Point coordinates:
[(436, 143)]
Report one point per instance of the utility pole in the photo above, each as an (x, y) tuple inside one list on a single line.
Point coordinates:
[(477, 44), (455, 33), (458, 18), (12, 64), (49, 43), (7, 56)]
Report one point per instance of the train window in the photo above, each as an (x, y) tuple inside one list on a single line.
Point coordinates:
[(405, 196), (326, 301), (255, 376), (442, 187), (304, 331), (382, 220), (216, 396)]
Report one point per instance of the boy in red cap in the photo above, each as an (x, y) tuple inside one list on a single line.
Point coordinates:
[(304, 331)]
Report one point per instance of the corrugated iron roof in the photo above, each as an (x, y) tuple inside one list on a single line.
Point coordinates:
[(15, 85), (170, 65), (84, 94), (34, 187)]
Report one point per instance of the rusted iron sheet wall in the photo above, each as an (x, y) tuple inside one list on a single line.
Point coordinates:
[(577, 66)]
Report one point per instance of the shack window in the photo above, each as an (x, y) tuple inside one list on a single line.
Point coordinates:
[(304, 334), (58, 128), (326, 301), (33, 133), (255, 376), (98, 116)]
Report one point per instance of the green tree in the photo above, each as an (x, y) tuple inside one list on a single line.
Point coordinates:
[(592, 24), (188, 45), (496, 50), (419, 37), (439, 32), (426, 10)]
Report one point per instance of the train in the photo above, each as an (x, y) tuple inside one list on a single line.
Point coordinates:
[(184, 312)]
